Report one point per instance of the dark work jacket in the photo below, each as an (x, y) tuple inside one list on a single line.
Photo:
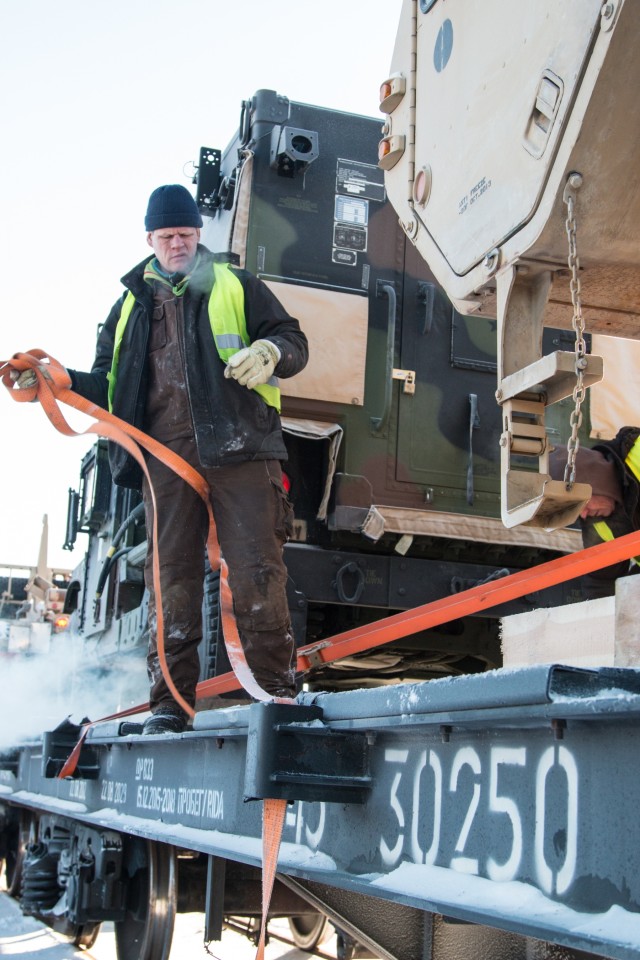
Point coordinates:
[(624, 519), (231, 423)]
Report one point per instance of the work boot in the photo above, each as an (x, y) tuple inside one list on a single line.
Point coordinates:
[(165, 721)]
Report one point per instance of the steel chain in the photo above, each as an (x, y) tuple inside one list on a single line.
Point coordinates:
[(579, 391)]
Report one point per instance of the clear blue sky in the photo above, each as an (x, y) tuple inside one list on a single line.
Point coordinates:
[(101, 103)]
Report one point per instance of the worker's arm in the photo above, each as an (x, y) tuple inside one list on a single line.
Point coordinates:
[(94, 385)]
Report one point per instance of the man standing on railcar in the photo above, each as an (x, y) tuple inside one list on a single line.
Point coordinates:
[(189, 354)]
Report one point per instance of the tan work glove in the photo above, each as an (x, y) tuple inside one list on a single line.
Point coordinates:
[(253, 365), (28, 378)]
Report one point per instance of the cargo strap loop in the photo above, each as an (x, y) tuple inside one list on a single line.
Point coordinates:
[(55, 386)]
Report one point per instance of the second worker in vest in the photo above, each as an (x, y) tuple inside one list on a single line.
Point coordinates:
[(612, 468), (189, 354)]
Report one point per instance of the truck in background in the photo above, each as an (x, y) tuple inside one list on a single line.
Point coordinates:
[(32, 604)]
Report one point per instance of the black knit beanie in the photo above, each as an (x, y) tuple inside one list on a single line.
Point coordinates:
[(171, 206)]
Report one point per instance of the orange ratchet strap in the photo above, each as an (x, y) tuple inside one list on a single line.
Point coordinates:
[(54, 386), (49, 389), (463, 604)]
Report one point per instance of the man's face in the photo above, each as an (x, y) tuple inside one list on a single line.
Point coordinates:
[(598, 506), (175, 247)]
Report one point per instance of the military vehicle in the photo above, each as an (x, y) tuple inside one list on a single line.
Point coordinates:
[(538, 222)]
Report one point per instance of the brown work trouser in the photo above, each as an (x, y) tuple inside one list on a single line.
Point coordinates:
[(253, 520)]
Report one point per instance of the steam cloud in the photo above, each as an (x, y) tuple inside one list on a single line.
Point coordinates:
[(39, 691)]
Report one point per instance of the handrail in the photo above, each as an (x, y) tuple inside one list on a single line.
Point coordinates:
[(378, 424)]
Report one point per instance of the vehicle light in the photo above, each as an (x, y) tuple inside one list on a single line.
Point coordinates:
[(286, 483), (391, 93), (390, 149), (61, 623), (422, 186)]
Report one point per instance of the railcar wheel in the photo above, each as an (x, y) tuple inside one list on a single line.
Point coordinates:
[(146, 931), (309, 929)]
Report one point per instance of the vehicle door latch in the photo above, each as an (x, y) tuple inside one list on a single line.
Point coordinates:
[(409, 378)]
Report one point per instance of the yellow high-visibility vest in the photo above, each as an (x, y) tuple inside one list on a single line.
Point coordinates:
[(228, 326), (605, 532), (632, 460)]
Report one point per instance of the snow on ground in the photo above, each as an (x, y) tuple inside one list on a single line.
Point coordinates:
[(28, 939)]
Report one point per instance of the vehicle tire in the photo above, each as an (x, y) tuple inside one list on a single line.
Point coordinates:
[(347, 948), (213, 653), (309, 929)]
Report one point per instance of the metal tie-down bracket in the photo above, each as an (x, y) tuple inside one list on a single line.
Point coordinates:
[(58, 744), (293, 755)]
